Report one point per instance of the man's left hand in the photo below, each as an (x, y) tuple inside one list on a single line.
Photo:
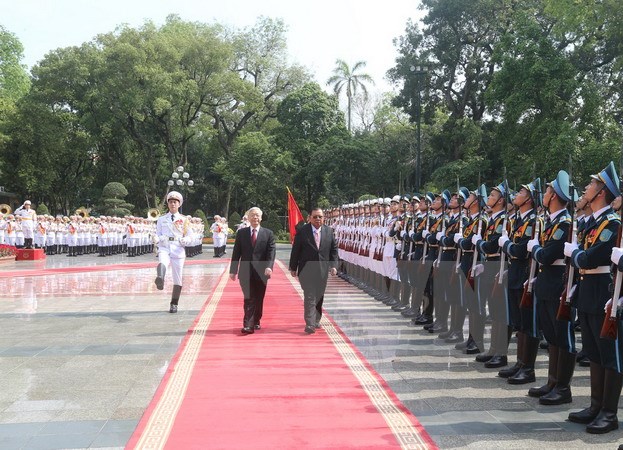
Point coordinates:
[(232, 276), (570, 248), (293, 273), (268, 272), (333, 271)]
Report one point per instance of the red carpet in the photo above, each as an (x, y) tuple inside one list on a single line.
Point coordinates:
[(276, 389)]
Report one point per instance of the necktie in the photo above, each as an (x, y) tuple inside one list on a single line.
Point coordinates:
[(253, 236), (317, 237), (172, 217)]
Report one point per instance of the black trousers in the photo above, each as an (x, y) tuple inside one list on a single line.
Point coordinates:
[(253, 290), (559, 333)]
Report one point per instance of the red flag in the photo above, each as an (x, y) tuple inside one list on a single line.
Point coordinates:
[(294, 215)]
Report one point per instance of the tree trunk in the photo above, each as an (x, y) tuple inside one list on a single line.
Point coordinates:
[(228, 198)]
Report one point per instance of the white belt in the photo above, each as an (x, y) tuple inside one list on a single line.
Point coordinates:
[(559, 262), (598, 270)]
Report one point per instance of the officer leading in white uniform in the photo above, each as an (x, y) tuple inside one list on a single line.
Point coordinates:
[(28, 218), (173, 231)]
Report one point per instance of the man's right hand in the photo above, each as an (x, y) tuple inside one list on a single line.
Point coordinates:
[(232, 276), (293, 273)]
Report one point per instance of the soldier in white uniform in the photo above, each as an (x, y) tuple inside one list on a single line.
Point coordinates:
[(28, 219), (173, 231), (3, 226)]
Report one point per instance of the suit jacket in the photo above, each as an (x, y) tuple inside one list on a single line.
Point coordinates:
[(248, 261), (306, 253)]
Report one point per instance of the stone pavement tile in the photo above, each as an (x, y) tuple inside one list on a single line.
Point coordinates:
[(56, 350), (22, 351), (94, 413), (19, 429), (113, 426), (73, 427), (27, 416), (127, 413), (55, 442), (112, 440), (37, 405), (13, 442)]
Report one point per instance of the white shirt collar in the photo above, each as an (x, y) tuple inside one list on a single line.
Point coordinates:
[(555, 214), (596, 214), (524, 214)]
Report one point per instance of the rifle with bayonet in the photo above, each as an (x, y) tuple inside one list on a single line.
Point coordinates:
[(564, 308), (610, 327), (527, 295)]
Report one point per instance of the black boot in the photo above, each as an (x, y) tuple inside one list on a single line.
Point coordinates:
[(587, 415), (552, 371), (161, 270), (607, 419), (175, 297), (561, 393), (530, 350), (512, 371)]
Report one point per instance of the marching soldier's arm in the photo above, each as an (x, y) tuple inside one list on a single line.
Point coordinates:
[(519, 249)]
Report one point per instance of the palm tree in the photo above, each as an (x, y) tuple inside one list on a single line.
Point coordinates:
[(344, 76)]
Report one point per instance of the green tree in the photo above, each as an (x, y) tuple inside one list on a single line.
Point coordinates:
[(348, 79), (112, 200), (14, 79), (308, 119)]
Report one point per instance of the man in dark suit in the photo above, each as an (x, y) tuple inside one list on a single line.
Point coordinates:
[(252, 260), (313, 257)]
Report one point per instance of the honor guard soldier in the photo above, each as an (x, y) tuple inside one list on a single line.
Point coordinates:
[(475, 304), (490, 271), (28, 219), (173, 231), (416, 218), (592, 258), (450, 264), (437, 223), (419, 276), (515, 247), (401, 255), (547, 250)]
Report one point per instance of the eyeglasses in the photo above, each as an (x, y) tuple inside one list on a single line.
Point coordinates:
[(317, 217)]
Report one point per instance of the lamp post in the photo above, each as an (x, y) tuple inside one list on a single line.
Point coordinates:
[(181, 179), (420, 73)]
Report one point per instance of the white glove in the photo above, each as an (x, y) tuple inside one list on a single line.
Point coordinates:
[(457, 238), (186, 240), (617, 252), (619, 304), (503, 239), (425, 234), (476, 238), (478, 269), (403, 233), (439, 235), (570, 248), (532, 243)]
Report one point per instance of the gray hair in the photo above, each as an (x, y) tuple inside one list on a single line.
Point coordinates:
[(254, 209)]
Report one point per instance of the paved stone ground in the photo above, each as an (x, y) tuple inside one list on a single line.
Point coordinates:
[(81, 355)]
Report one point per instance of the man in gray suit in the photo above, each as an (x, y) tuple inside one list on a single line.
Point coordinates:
[(313, 257)]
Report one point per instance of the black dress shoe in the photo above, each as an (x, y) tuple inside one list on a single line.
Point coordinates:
[(172, 308), (510, 371), (584, 362), (587, 415), (455, 337), (605, 422), (258, 327), (523, 376), (472, 349), (424, 319), (544, 345), (317, 325), (438, 329), (400, 308), (557, 396), (310, 330), (409, 313), (445, 334), (540, 391), (247, 330), (464, 344), (483, 357), (159, 283), (496, 361)]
